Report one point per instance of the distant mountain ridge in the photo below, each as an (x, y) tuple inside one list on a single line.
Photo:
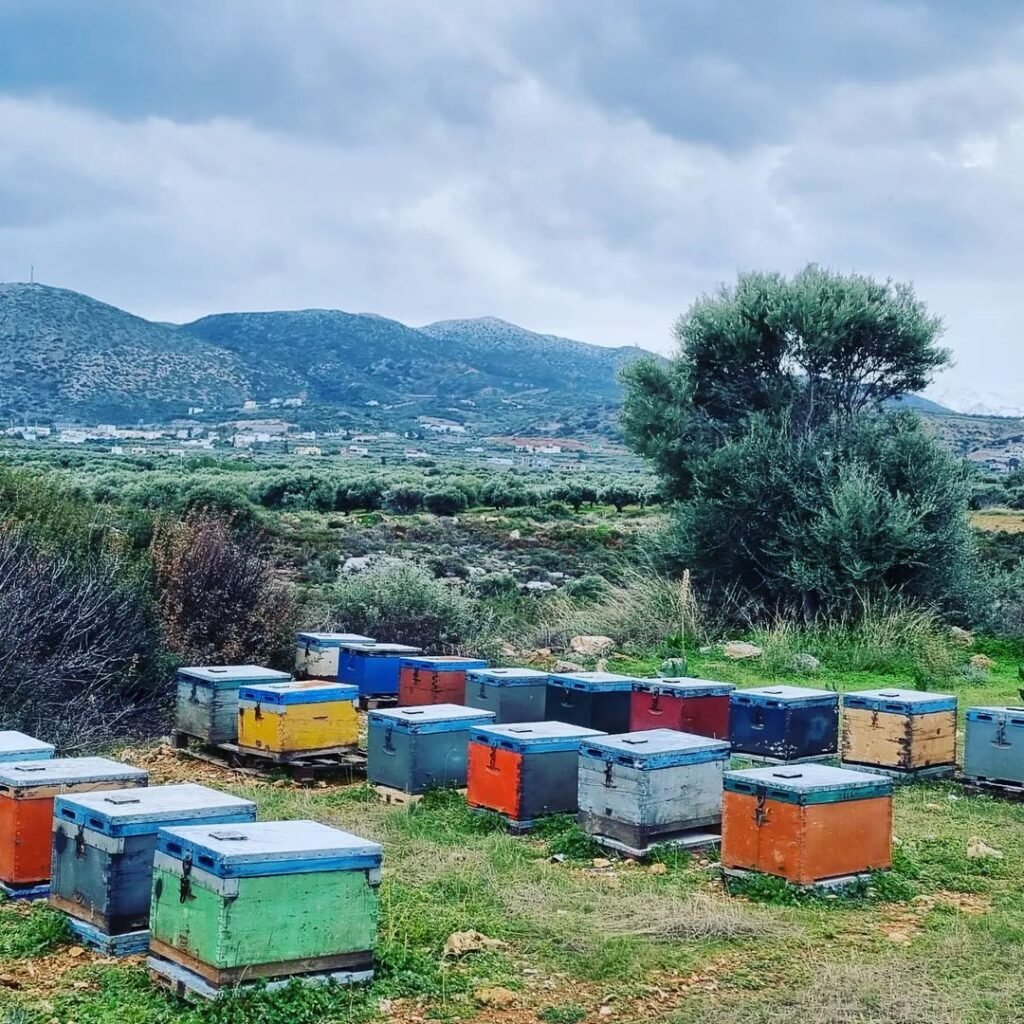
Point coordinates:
[(65, 355)]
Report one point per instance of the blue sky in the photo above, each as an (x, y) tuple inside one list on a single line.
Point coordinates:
[(584, 167)]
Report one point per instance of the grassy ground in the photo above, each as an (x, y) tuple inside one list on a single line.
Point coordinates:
[(940, 939)]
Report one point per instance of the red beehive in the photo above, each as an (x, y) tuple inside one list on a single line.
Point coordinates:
[(434, 680), (696, 706)]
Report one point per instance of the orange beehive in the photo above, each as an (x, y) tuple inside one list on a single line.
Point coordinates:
[(808, 823), (27, 791)]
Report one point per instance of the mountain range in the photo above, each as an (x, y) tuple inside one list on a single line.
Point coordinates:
[(64, 355)]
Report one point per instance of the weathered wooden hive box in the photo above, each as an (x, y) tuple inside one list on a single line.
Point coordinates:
[(27, 792), (594, 700), (513, 694), (237, 903), (784, 723), (994, 745), (373, 668), (440, 680), (316, 654), (526, 771), (416, 749), (697, 706), (807, 823), (641, 786), (103, 846), (16, 746), (208, 698), (297, 717), (899, 730)]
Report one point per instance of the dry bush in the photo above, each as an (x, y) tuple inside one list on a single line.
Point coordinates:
[(74, 645), (219, 600)]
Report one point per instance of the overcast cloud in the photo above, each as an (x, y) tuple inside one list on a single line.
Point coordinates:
[(584, 167)]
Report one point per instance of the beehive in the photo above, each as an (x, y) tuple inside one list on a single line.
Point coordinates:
[(16, 746), (994, 745), (905, 731), (644, 786), (416, 749), (103, 846), (373, 668), (27, 792), (208, 698), (513, 694), (696, 706), (527, 770), (784, 723), (807, 823), (440, 680), (594, 700), (264, 900), (316, 654), (297, 718)]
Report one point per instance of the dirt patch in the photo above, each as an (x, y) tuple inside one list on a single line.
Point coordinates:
[(41, 976), (902, 924)]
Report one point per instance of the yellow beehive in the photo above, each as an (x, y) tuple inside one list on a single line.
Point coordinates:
[(297, 718), (905, 731)]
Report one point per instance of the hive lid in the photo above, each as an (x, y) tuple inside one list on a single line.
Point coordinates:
[(228, 677), (332, 639), (793, 696), (122, 812), (268, 848), (656, 748), (1007, 715), (380, 650), (298, 693), (900, 702), (67, 771), (15, 746), (533, 737), (444, 663), (684, 686), (808, 783), (593, 682), (509, 676), (430, 718)]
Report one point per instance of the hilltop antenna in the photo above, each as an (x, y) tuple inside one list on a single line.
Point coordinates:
[(32, 274)]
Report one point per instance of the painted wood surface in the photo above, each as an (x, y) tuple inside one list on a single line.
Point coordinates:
[(782, 731), (900, 741), (418, 686), (510, 704), (272, 919), (209, 714), (806, 843), (605, 711), (523, 786), (994, 745), (416, 762), (635, 805), (296, 728), (702, 716)]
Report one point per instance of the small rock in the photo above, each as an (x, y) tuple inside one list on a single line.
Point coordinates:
[(982, 662), (75, 952), (557, 858), (807, 663), (601, 863), (673, 668), (515, 535), (508, 650), (740, 650), (540, 587), (706, 649), (497, 997), (964, 637), (461, 943), (564, 667), (605, 1011), (592, 646), (978, 849), (658, 869)]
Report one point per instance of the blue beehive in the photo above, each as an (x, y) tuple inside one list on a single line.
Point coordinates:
[(420, 748), (16, 746), (316, 654), (513, 694), (784, 723), (526, 770), (994, 745), (208, 698), (374, 668), (594, 700), (644, 786), (103, 846)]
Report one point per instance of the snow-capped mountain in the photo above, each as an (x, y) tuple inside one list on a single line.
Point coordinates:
[(972, 402)]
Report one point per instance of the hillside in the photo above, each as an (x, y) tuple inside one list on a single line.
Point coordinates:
[(65, 355)]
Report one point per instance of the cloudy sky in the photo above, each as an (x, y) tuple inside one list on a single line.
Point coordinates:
[(584, 167)]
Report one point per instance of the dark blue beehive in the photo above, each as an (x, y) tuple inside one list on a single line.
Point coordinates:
[(784, 723), (420, 748), (374, 668), (593, 700), (513, 694), (994, 745)]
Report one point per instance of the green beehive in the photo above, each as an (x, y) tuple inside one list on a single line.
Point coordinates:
[(268, 900)]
